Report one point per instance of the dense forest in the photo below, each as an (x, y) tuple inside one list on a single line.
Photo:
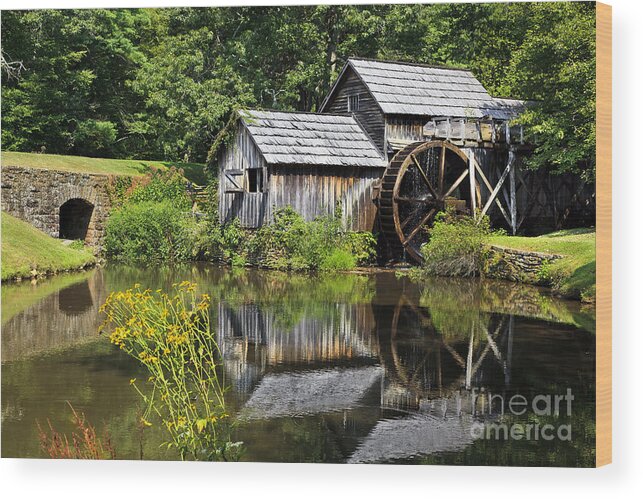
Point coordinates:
[(161, 83)]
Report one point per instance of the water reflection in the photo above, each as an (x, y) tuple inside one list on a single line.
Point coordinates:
[(341, 368)]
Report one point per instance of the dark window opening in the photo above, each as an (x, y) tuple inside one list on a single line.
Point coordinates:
[(255, 180), (75, 215), (353, 103)]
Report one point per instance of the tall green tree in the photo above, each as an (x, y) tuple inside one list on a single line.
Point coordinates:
[(71, 95), (160, 83)]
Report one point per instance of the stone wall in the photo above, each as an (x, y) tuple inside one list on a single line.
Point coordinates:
[(517, 265), (36, 195)]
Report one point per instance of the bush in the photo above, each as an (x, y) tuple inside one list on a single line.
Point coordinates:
[(160, 185), (338, 259), (363, 246), (456, 246), (291, 243), (150, 231)]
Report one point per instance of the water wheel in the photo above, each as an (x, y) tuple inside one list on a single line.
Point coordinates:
[(422, 180)]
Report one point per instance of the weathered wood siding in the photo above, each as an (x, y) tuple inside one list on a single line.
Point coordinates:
[(405, 128), (544, 201), (369, 115), (315, 191), (249, 207)]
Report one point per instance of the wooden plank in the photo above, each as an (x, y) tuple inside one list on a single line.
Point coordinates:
[(426, 179), (603, 234), (491, 197), (496, 190), (472, 182), (512, 189)]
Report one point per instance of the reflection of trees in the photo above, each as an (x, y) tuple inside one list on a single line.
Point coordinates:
[(451, 299), (409, 352)]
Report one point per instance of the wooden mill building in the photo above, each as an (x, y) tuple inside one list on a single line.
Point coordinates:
[(395, 143)]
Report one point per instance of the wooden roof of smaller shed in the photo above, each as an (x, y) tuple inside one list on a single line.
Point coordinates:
[(311, 139), (415, 89)]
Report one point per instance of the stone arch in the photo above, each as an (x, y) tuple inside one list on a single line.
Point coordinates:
[(75, 216)]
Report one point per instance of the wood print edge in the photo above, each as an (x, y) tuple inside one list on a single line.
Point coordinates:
[(603, 234)]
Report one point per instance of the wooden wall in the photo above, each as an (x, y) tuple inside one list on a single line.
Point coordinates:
[(249, 207), (315, 191), (405, 128), (545, 202), (369, 115)]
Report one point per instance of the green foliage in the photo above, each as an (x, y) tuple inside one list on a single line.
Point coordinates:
[(166, 80), (363, 246), (78, 244), (338, 259), (170, 335), (73, 95), (456, 246), (94, 137), (160, 185), (150, 231), (291, 243)]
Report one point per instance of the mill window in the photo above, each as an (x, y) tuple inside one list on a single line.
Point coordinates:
[(353, 103), (255, 180)]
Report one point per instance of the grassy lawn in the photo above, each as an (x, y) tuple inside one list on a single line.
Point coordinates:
[(131, 167), (574, 275), (25, 248)]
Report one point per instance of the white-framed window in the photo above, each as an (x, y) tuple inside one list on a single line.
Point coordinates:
[(353, 103)]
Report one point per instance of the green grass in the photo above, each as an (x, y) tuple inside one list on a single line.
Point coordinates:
[(194, 172), (25, 248), (574, 275)]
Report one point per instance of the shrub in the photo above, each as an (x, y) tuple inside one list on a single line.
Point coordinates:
[(291, 243), (160, 185), (456, 246), (150, 231), (362, 245), (338, 259)]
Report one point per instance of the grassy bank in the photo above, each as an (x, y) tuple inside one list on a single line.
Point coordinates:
[(25, 249), (574, 275), (130, 167)]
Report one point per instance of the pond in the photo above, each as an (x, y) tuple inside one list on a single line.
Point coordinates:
[(336, 368)]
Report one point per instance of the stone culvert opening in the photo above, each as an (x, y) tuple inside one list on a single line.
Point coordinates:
[(75, 216)]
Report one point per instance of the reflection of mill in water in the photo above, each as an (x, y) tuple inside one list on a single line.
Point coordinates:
[(425, 364), (391, 359)]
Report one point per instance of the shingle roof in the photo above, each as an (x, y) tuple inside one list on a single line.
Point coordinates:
[(402, 88), (311, 139), (506, 109)]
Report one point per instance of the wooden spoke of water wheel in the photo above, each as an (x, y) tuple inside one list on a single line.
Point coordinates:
[(422, 179)]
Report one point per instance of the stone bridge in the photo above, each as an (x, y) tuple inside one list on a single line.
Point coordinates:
[(67, 205)]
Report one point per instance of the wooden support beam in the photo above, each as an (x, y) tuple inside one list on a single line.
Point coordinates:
[(443, 157), (472, 181), (512, 190), (492, 198), (496, 190), (456, 184)]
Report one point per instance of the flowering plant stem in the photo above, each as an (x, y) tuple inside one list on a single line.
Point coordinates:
[(171, 336)]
